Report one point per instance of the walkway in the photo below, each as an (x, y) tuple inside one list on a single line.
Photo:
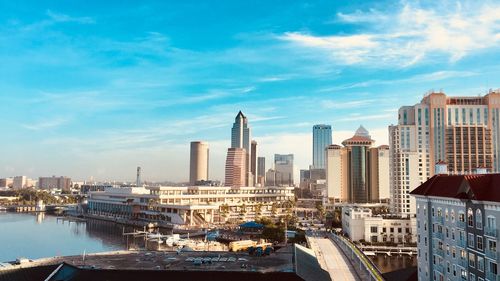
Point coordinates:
[(332, 259)]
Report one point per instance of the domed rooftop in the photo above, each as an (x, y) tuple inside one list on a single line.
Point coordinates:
[(361, 137)]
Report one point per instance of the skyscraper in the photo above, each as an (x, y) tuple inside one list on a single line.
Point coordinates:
[(235, 167), (283, 165), (261, 170), (357, 172), (198, 168), (253, 163), (464, 132), (322, 137), (240, 138)]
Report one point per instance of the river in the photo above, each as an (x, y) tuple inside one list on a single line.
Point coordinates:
[(41, 235)]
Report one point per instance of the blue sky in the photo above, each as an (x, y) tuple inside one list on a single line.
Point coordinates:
[(95, 88)]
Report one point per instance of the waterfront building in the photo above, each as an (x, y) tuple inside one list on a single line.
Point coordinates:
[(361, 224), (357, 172), (236, 169), (322, 137), (464, 132), (283, 164), (240, 138), (63, 183), (191, 205), (261, 171), (457, 227), (91, 187), (198, 162)]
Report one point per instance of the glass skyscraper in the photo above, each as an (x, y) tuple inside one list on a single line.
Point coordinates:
[(322, 137)]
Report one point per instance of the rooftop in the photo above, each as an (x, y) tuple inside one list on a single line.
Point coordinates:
[(482, 187)]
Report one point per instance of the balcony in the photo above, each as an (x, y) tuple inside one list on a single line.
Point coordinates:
[(463, 263), (438, 235), (440, 252), (492, 232), (439, 219), (491, 254), (492, 277), (461, 224)]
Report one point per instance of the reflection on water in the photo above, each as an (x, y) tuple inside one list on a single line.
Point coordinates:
[(42, 235), (394, 262)]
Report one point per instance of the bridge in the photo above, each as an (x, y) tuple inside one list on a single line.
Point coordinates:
[(341, 258), (388, 250)]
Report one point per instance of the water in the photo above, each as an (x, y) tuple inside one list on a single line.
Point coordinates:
[(395, 262), (40, 235)]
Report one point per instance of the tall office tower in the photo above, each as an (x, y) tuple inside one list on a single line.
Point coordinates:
[(457, 227), (138, 181), (236, 168), (273, 178), (253, 163), (261, 170), (198, 167), (19, 182), (240, 138), (357, 172), (464, 132), (322, 137), (283, 164)]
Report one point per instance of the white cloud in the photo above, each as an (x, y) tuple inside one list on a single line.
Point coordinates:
[(45, 124), (58, 17), (331, 104), (411, 35)]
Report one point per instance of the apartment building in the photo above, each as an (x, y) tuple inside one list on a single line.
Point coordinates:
[(457, 227)]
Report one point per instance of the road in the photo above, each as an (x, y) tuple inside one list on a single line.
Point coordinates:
[(332, 259)]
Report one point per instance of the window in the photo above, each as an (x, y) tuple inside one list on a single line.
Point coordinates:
[(471, 240), (374, 229), (472, 260), (479, 219), (492, 245), (461, 217), (446, 215), (480, 263), (493, 268), (479, 242), (491, 223), (470, 217), (432, 210), (453, 252), (452, 215), (463, 274), (453, 233), (472, 277)]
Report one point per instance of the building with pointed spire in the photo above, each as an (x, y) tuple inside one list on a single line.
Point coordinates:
[(240, 138)]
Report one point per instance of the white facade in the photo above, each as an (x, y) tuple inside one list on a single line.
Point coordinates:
[(360, 224), (383, 174)]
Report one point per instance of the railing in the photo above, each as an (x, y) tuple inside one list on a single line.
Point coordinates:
[(491, 254), (358, 257), (440, 252), (463, 263), (439, 219), (438, 235), (489, 231)]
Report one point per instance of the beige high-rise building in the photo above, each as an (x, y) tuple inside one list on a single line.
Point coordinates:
[(464, 132), (236, 169), (199, 159), (54, 182), (357, 172)]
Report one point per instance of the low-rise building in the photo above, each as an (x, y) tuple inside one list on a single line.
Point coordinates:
[(457, 230), (361, 224), (193, 205)]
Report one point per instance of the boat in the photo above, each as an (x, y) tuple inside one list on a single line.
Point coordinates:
[(3, 209)]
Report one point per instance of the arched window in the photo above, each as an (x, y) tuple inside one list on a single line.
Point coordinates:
[(470, 217), (452, 215), (446, 214), (479, 219)]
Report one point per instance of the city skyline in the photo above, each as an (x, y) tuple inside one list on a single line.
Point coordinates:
[(112, 100)]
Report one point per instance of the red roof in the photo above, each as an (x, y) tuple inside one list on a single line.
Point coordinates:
[(484, 187)]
